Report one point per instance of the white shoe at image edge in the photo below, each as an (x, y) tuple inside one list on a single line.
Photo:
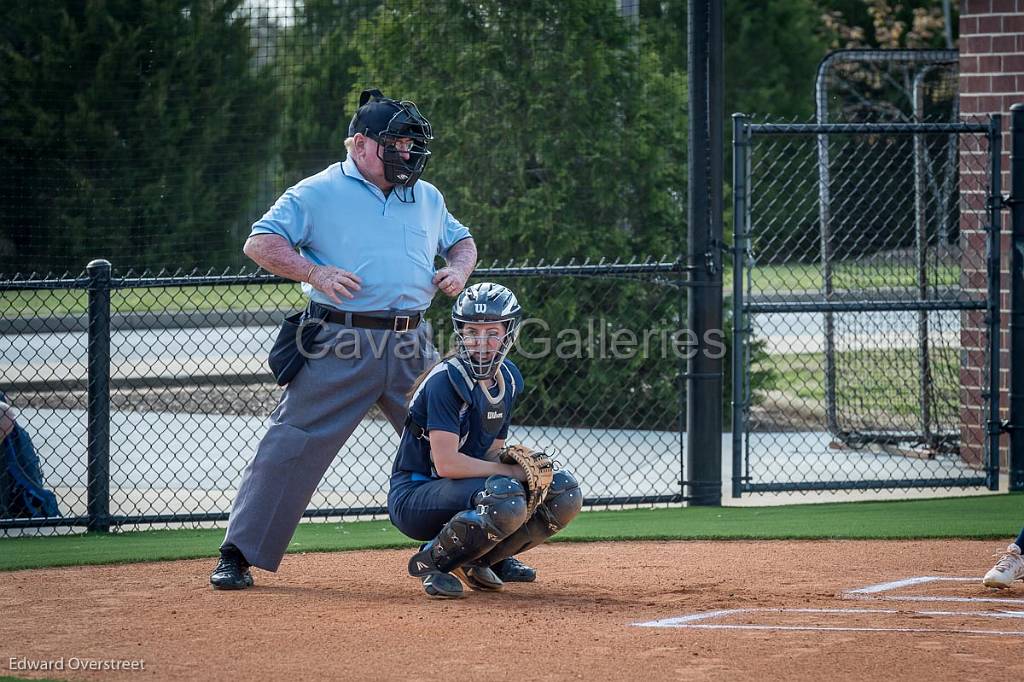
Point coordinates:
[(1010, 567)]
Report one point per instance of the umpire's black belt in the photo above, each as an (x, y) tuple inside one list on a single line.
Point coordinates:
[(396, 323)]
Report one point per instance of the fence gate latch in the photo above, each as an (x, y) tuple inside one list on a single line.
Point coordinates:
[(999, 202), (711, 256)]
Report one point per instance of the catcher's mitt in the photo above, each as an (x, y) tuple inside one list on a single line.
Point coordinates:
[(539, 469)]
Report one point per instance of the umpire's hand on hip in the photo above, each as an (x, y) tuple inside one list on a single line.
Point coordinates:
[(333, 281), (450, 280)]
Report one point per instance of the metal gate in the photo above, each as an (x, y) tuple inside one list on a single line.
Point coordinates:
[(866, 305)]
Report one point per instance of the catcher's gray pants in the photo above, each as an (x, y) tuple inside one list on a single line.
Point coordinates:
[(319, 410)]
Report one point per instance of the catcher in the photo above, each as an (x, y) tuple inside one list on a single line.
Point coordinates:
[(454, 483)]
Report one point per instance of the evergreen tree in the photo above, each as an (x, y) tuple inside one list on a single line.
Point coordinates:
[(560, 133), (133, 130), (320, 66)]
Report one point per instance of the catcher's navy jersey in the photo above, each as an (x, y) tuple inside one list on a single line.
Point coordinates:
[(437, 405)]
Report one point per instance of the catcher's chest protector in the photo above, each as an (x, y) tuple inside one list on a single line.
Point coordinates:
[(494, 412)]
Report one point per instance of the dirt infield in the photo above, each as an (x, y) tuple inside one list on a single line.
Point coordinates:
[(638, 611)]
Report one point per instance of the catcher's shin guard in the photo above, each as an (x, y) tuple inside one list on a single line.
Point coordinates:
[(500, 510), (563, 503)]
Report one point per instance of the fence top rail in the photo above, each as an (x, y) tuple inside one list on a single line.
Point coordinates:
[(509, 269), (873, 54), (586, 268), (47, 282), (865, 128)]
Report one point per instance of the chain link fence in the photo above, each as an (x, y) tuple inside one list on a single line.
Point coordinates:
[(863, 295), (162, 433), (864, 258)]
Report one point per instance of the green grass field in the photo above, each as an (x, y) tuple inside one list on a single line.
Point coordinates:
[(765, 279), (876, 381), (170, 299), (995, 517)]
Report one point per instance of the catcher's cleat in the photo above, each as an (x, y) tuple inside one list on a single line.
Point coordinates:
[(436, 582), (1009, 568), (479, 577), (422, 562), (512, 570), (232, 572), (443, 585)]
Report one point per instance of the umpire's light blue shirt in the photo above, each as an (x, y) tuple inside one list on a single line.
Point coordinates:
[(339, 218)]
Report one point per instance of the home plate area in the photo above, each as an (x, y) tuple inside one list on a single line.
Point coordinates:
[(931, 604)]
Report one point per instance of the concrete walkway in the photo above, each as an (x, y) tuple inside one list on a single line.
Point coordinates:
[(182, 463)]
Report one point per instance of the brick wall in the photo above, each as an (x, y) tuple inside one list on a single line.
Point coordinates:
[(991, 79)]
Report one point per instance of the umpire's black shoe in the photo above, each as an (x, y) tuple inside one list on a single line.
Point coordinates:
[(232, 572), (512, 570)]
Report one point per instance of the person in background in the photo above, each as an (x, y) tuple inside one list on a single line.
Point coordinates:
[(362, 236)]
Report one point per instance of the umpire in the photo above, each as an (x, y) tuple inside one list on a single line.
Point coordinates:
[(361, 236)]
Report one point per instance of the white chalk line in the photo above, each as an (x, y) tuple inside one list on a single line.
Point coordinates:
[(867, 593), (811, 628), (679, 620), (872, 592), (907, 582), (962, 600), (708, 615), (693, 621)]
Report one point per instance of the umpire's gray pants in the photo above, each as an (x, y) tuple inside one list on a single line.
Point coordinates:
[(319, 410)]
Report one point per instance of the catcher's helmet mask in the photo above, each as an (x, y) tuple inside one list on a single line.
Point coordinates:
[(481, 303), (385, 121)]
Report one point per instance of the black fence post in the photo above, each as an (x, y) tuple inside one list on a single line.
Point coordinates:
[(704, 309), (1016, 458), (992, 316), (99, 396), (740, 250)]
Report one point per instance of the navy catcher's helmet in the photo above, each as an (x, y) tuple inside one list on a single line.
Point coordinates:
[(486, 302), (386, 121)]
